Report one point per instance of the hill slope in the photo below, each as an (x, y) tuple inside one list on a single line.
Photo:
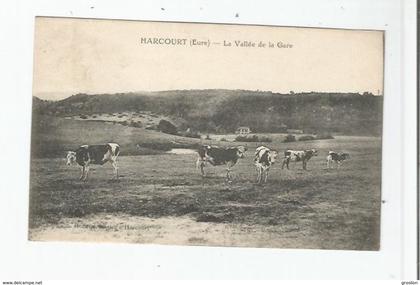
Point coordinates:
[(225, 110), (53, 136)]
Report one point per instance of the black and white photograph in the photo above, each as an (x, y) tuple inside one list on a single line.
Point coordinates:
[(206, 134)]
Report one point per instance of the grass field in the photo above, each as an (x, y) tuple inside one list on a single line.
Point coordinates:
[(163, 199)]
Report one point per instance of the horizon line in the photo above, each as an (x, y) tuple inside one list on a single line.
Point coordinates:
[(205, 89)]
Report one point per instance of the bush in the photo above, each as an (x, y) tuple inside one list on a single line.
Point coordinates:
[(185, 145), (324, 137), (83, 117), (265, 139), (150, 128), (136, 124), (167, 127), (306, 138), (192, 135), (253, 138), (163, 146), (208, 137), (289, 138), (223, 139)]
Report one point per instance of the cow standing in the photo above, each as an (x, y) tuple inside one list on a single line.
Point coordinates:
[(336, 157), (219, 156), (86, 155), (298, 155), (264, 158)]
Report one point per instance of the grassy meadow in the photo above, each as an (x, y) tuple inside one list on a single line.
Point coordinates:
[(163, 199)]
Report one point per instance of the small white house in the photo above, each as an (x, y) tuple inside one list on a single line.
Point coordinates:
[(243, 131)]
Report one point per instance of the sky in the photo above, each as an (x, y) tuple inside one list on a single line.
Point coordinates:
[(108, 56)]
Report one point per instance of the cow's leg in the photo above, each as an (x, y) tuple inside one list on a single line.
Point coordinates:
[(115, 165), (82, 173), (259, 173), (285, 162), (304, 164), (86, 173), (328, 162), (266, 175), (200, 164), (228, 177)]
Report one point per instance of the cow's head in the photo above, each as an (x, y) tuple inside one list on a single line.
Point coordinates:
[(240, 151), (273, 155), (71, 157)]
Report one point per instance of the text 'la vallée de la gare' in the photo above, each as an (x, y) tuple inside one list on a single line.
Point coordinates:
[(207, 43)]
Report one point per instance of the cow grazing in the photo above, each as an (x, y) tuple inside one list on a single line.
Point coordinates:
[(86, 155), (219, 156), (336, 157), (298, 155), (264, 158)]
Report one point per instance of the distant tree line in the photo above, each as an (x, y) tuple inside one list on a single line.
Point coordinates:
[(222, 111)]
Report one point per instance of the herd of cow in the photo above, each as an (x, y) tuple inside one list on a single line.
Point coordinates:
[(265, 157)]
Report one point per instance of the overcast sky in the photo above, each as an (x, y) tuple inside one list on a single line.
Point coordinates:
[(106, 56)]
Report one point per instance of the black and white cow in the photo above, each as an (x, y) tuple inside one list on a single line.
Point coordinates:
[(264, 158), (86, 155), (298, 155), (336, 157), (219, 156)]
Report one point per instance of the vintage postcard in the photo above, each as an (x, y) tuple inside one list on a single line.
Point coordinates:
[(206, 134)]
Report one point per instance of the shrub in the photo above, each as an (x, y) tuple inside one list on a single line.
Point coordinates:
[(306, 138), (167, 127), (324, 137), (162, 146), (83, 117), (265, 139), (193, 135), (136, 124), (289, 138), (208, 137), (190, 134), (185, 145), (223, 139), (253, 138), (150, 128)]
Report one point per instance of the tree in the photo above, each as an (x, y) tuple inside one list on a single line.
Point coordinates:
[(167, 127)]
